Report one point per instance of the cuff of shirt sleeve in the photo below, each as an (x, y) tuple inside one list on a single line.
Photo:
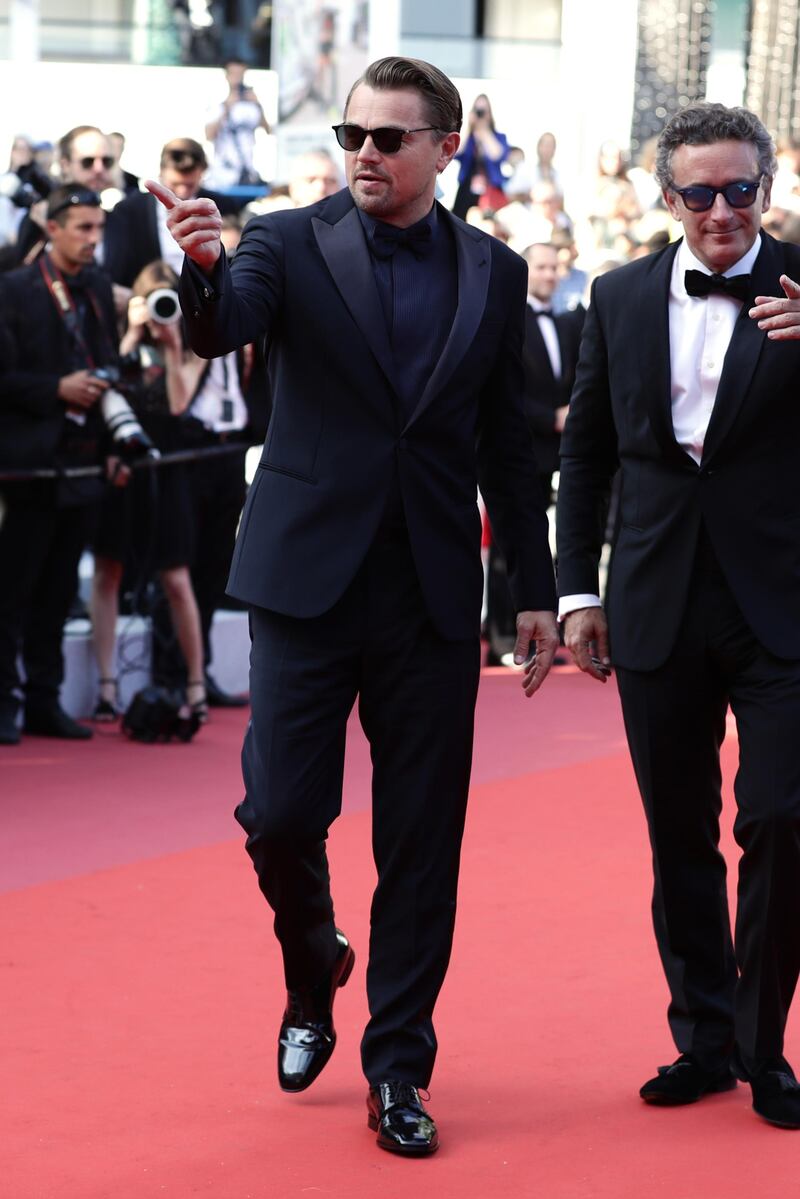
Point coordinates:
[(571, 603)]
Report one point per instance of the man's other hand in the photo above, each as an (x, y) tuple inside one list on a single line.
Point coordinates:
[(780, 317), (535, 647), (194, 224), (586, 637)]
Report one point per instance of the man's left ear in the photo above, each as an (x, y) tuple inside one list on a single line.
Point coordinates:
[(766, 187), (447, 149)]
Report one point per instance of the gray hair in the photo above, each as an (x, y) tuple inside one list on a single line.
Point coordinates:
[(702, 124)]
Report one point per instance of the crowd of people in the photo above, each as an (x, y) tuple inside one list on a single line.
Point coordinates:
[(176, 524)]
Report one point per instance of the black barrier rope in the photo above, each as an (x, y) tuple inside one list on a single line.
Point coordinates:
[(8, 475)]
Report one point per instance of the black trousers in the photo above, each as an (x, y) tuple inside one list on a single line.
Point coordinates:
[(675, 722), (416, 696), (40, 548)]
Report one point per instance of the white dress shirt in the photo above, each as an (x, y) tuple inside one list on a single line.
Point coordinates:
[(547, 329), (700, 330)]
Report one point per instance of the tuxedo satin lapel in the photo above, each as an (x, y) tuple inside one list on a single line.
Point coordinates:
[(744, 350), (474, 271), (344, 249), (651, 332)]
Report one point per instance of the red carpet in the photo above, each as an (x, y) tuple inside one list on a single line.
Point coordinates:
[(141, 985)]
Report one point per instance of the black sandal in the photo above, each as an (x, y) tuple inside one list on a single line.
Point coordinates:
[(105, 710), (199, 707)]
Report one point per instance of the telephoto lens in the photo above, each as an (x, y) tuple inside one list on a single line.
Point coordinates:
[(163, 306), (130, 439)]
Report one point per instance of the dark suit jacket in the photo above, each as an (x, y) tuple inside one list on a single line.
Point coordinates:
[(544, 393), (745, 491), (35, 351), (131, 235), (337, 448)]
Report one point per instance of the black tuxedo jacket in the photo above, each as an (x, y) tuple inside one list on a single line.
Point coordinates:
[(337, 448), (745, 491), (35, 351), (131, 240), (544, 393)]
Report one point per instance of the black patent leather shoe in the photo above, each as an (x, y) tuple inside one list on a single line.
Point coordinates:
[(776, 1094), (395, 1112), (685, 1082), (51, 720), (217, 698), (307, 1037)]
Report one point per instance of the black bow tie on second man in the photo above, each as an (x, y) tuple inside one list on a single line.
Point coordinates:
[(545, 312), (387, 238), (697, 283)]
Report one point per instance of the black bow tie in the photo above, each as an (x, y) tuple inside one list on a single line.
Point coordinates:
[(544, 312), (387, 238), (697, 283)]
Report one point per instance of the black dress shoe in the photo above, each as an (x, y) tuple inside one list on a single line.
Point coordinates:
[(395, 1112), (685, 1082), (52, 721), (307, 1037), (776, 1094), (217, 698)]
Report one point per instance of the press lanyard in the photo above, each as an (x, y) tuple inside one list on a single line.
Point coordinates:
[(65, 306)]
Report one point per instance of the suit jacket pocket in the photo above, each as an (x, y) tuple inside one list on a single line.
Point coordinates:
[(291, 474)]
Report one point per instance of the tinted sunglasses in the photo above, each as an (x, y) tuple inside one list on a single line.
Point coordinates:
[(386, 140), (183, 160), (88, 162), (741, 194)]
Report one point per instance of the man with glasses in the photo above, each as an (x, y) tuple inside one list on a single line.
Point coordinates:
[(395, 335), (684, 387)]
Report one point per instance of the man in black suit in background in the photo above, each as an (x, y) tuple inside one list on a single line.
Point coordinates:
[(685, 382), (395, 336), (549, 358)]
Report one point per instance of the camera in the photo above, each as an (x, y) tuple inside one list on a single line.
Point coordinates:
[(128, 436), (163, 306), (480, 112)]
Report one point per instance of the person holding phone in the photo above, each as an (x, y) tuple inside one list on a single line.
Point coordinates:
[(480, 178), (231, 128)]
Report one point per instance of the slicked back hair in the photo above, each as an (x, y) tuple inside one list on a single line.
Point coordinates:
[(703, 124), (442, 101), (66, 142)]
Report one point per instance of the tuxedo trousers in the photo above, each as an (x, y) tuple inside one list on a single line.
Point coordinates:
[(727, 992), (416, 697)]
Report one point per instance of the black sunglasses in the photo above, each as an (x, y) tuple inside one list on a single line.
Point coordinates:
[(741, 194), (183, 160), (386, 140), (88, 162)]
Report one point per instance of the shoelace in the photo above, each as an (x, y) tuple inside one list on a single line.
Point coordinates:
[(401, 1094)]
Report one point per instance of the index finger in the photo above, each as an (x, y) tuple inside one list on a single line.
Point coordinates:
[(162, 193)]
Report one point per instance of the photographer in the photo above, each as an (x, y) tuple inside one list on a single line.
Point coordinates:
[(57, 329), (231, 127), (481, 182), (152, 519)]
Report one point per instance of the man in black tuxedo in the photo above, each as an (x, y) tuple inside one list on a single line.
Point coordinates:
[(683, 380), (138, 234), (549, 358), (395, 336)]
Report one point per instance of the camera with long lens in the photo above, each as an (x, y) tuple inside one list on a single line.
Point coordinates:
[(129, 438), (163, 306)]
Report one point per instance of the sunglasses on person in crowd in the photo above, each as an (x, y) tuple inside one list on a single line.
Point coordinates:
[(88, 162), (741, 194), (386, 139), (183, 160)]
